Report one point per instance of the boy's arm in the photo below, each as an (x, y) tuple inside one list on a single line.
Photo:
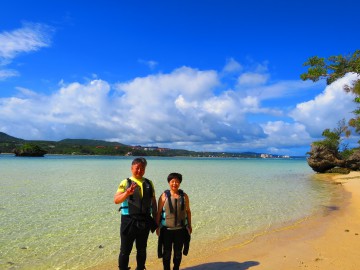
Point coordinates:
[(160, 206), (158, 216)]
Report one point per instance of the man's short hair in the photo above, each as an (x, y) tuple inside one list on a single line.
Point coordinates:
[(140, 160)]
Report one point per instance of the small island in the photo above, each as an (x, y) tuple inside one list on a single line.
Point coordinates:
[(29, 150)]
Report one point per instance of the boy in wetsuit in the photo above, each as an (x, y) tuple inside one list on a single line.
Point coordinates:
[(174, 217)]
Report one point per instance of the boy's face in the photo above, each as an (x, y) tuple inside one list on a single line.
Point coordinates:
[(138, 170), (174, 184)]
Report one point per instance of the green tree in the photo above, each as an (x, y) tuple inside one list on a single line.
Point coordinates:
[(334, 68), (332, 138), (30, 150)]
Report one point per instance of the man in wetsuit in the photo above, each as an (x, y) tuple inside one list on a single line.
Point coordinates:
[(136, 195)]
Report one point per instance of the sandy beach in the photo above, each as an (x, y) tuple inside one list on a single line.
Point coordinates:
[(329, 241)]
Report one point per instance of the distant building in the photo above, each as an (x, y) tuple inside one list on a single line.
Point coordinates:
[(266, 156), (151, 148), (272, 156)]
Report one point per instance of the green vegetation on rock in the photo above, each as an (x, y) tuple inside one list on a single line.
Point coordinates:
[(330, 153), (29, 150)]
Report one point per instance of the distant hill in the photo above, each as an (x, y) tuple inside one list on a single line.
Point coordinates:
[(7, 138), (9, 144), (89, 142)]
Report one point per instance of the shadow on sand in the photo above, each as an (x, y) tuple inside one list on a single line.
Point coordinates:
[(224, 266)]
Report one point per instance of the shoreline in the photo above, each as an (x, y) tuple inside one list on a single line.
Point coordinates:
[(328, 241)]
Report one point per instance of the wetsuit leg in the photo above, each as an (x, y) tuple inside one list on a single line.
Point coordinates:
[(141, 244), (168, 242), (127, 241), (125, 250), (178, 247)]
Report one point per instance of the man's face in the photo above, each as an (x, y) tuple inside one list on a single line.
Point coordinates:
[(138, 170)]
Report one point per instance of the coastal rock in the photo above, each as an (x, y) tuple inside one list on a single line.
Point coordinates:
[(339, 170), (321, 159), (29, 150), (353, 162)]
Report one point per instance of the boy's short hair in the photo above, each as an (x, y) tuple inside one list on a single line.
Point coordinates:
[(175, 175), (140, 160)]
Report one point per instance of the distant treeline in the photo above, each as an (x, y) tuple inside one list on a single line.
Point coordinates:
[(98, 147)]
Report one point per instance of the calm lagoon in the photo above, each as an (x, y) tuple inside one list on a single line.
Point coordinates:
[(57, 212)]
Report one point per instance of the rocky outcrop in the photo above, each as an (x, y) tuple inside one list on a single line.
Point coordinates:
[(29, 150), (339, 170), (323, 160), (353, 162)]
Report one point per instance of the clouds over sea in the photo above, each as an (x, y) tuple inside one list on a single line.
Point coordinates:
[(239, 107), (181, 109)]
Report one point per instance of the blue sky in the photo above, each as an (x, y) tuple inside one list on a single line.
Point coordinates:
[(213, 75)]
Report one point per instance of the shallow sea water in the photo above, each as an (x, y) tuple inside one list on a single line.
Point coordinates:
[(57, 212)]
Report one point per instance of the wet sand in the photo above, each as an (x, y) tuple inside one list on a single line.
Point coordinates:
[(329, 241)]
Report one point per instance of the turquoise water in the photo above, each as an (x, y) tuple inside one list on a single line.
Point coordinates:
[(57, 212)]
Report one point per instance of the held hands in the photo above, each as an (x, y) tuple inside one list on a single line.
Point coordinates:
[(131, 189), (188, 228)]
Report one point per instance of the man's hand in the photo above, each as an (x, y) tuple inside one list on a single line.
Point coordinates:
[(131, 189)]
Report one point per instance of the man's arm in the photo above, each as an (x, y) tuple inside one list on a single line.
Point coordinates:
[(120, 196), (188, 212)]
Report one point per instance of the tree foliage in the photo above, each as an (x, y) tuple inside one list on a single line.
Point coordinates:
[(332, 138), (30, 150), (334, 68)]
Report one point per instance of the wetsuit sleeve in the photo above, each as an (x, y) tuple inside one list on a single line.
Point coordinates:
[(122, 186)]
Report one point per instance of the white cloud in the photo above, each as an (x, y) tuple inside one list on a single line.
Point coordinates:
[(280, 89), (7, 73), (326, 109), (252, 79), (283, 134), (150, 63), (31, 37), (232, 66), (181, 109)]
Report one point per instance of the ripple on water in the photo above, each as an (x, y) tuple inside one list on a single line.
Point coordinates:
[(56, 212)]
